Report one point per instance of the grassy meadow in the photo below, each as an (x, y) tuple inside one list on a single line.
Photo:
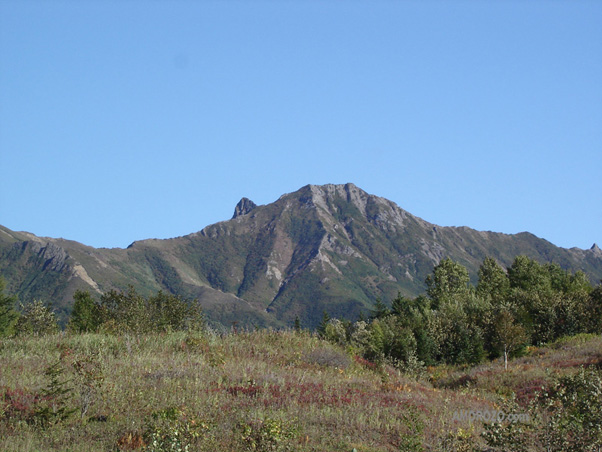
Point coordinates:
[(278, 391)]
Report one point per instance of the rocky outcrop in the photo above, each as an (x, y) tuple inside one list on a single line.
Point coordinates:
[(244, 206)]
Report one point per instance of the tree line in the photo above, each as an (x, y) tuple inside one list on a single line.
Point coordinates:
[(458, 323), (453, 322), (115, 311)]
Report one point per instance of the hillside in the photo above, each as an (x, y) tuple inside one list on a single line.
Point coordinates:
[(330, 247), (287, 391)]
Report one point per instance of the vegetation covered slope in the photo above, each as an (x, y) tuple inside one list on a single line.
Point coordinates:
[(287, 391), (330, 247)]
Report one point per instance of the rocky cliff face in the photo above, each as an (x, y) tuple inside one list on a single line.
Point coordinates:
[(329, 247), (244, 206)]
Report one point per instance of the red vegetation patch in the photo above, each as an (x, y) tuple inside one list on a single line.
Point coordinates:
[(529, 390), (17, 403), (304, 394), (249, 391), (595, 361), (366, 363)]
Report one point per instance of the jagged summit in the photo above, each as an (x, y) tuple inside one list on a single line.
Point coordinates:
[(244, 206), (596, 250)]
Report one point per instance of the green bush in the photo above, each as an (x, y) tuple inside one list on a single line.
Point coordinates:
[(571, 413), (85, 316), (172, 430), (36, 319), (267, 435)]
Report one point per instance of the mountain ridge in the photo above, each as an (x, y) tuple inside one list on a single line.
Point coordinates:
[(323, 247)]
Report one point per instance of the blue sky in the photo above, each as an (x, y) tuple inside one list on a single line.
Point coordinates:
[(122, 121)]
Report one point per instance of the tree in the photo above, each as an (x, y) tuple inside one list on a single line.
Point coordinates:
[(323, 323), (170, 312), (454, 328), (162, 312), (8, 315), (509, 335), (493, 281), (566, 282), (380, 310), (127, 311), (400, 305), (529, 275), (592, 311), (85, 316), (448, 279), (389, 338), (414, 314), (362, 317)]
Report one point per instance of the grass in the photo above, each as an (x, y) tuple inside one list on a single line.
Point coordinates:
[(263, 391)]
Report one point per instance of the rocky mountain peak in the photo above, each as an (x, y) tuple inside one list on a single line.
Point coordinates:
[(325, 195), (596, 250), (244, 206)]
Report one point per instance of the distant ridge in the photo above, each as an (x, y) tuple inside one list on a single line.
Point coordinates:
[(322, 247)]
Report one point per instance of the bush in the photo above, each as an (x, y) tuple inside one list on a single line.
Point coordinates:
[(172, 430), (328, 357), (55, 402), (572, 413), (565, 417), (267, 435), (36, 319), (335, 332)]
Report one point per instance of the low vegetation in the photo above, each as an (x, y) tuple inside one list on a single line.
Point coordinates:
[(287, 390), (511, 364)]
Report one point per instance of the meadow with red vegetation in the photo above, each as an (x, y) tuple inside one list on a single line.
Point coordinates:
[(287, 390)]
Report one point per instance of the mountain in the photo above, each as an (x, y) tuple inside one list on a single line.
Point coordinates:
[(329, 247)]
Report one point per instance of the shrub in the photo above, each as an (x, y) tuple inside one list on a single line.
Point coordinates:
[(335, 332), (17, 404), (565, 417), (88, 380), (571, 413), (328, 357), (413, 439), (54, 406), (36, 319), (172, 430), (267, 435)]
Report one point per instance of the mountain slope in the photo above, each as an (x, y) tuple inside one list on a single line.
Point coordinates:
[(331, 247)]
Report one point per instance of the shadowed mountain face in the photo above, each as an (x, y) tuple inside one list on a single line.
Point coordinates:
[(330, 247)]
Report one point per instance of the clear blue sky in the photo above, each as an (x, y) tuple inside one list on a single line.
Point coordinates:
[(128, 120)]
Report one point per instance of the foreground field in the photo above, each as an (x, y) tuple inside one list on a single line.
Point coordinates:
[(271, 391)]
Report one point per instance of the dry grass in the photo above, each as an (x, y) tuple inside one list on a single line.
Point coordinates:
[(263, 390)]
